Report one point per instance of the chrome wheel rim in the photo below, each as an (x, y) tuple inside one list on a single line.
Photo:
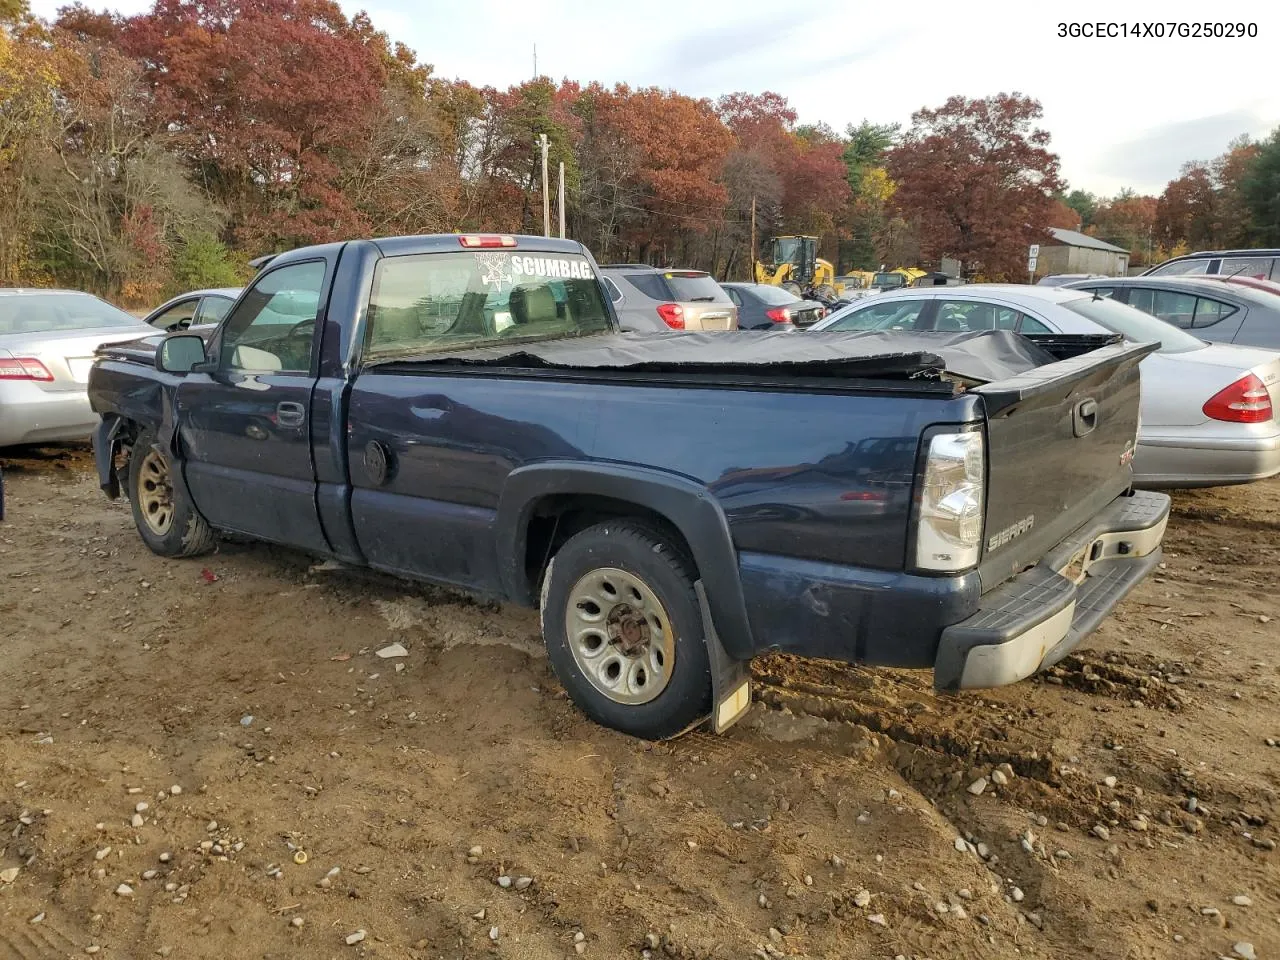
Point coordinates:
[(155, 494), (620, 635)]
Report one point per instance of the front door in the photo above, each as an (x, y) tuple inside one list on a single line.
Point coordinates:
[(244, 429)]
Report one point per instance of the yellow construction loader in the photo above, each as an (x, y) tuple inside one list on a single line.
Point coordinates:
[(895, 278), (794, 264)]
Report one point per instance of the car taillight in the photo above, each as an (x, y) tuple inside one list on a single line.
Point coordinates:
[(949, 510), (779, 314), (24, 368), (1245, 401), (672, 315), (486, 240)]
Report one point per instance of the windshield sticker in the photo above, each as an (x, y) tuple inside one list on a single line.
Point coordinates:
[(495, 267), (551, 267)]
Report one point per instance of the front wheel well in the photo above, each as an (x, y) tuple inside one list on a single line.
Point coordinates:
[(555, 518)]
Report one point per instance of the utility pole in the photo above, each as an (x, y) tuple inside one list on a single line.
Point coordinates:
[(546, 189), (752, 267), (535, 61), (561, 206)]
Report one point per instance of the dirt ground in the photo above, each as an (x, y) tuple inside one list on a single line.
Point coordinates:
[(294, 789)]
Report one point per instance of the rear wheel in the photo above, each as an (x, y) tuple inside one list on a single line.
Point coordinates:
[(167, 521), (624, 631), (826, 291)]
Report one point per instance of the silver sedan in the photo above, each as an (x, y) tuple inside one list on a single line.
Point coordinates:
[(1208, 410), (47, 339)]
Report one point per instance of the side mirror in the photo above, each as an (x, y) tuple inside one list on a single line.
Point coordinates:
[(180, 353)]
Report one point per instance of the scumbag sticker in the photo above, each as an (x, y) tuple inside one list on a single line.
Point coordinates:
[(503, 268)]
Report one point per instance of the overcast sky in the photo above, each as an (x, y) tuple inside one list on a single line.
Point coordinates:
[(1122, 112)]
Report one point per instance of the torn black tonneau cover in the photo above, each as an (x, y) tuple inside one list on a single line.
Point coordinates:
[(981, 357)]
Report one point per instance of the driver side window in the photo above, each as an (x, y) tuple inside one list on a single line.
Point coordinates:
[(273, 326)]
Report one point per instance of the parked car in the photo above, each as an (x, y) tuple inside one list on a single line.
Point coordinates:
[(197, 308), (1208, 410), (649, 298), (675, 505), (1059, 279), (1213, 309), (47, 339), (762, 306), (1259, 264)]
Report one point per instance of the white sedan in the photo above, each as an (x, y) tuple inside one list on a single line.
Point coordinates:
[(1208, 410)]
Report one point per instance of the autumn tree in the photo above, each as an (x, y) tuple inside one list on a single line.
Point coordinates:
[(977, 179), (263, 99), (28, 87), (1083, 203), (1187, 210), (1062, 216), (1127, 220), (114, 201), (865, 225), (1234, 220), (1260, 189)]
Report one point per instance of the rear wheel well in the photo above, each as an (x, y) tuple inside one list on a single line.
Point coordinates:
[(556, 518)]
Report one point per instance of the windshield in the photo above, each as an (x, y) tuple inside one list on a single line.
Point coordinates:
[(53, 312), (883, 280), (788, 250), (1134, 324), (432, 303)]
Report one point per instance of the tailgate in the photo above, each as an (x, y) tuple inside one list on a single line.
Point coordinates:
[(1060, 440), (710, 316)]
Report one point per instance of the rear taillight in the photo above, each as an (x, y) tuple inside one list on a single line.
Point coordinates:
[(949, 517), (779, 314), (1245, 401), (486, 240), (672, 315), (24, 368)]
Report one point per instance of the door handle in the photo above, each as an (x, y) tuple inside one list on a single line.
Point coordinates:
[(1085, 416), (290, 414)]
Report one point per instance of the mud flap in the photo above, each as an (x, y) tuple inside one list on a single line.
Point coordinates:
[(105, 439), (730, 678)]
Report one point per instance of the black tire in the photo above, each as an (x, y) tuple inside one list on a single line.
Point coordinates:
[(792, 288), (664, 570), (187, 534)]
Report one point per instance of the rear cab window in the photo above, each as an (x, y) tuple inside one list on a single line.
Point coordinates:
[(439, 302)]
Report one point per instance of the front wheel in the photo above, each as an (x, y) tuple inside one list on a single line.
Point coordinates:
[(792, 288), (624, 631), (168, 522)]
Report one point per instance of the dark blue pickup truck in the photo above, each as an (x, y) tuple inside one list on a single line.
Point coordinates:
[(462, 410)]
